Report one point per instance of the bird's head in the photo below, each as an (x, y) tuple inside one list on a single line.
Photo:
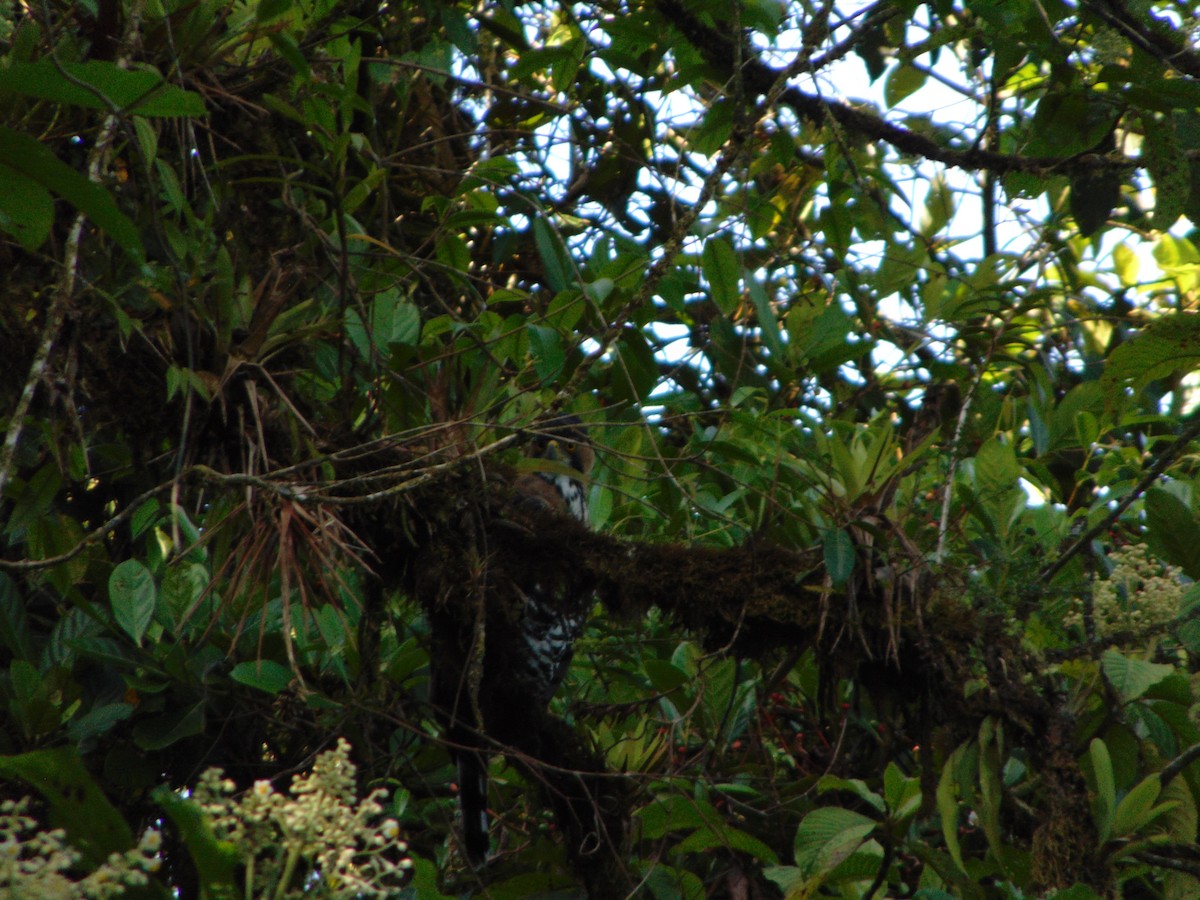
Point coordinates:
[(564, 441)]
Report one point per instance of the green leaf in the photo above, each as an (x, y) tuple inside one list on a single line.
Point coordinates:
[(216, 861), (939, 207), (1170, 343), (14, 621), (546, 348), (1169, 169), (1093, 196), (767, 324), (264, 674), (1173, 530), (1131, 678), (98, 84), (93, 825), (786, 878), (718, 835), (722, 271), (827, 836), (271, 9), (24, 155), (393, 321), (26, 209), (183, 585), (947, 805), (665, 677), (635, 368), (901, 82), (1072, 121), (163, 731), (1126, 264), (825, 340), (1106, 792), (674, 813), (1137, 808), (991, 791), (560, 274), (855, 786), (839, 555), (98, 720), (133, 595), (903, 794)]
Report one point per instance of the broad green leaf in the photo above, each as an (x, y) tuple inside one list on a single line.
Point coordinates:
[(1173, 530), (29, 159), (947, 805), (723, 272), (1092, 199), (786, 878), (133, 595), (1169, 169), (829, 835), (718, 835), (1129, 677), (144, 517), (1069, 122), (855, 786), (560, 274), (1183, 819), (664, 677), (1106, 793), (827, 347), (393, 320), (599, 290), (14, 621), (26, 208), (997, 471), (271, 9), (1169, 343), (216, 861), (903, 794), (183, 585), (767, 323), (264, 674), (93, 825), (163, 731), (635, 369), (991, 792), (901, 82), (98, 84), (1137, 808), (657, 880), (939, 207), (98, 720), (1126, 264), (546, 348), (839, 555), (674, 813)]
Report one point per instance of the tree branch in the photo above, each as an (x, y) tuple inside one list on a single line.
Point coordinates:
[(717, 49)]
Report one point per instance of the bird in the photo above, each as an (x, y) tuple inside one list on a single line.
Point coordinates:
[(498, 693)]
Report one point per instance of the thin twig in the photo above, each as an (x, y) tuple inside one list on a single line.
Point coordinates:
[(1152, 475), (61, 301), (955, 444), (55, 315)]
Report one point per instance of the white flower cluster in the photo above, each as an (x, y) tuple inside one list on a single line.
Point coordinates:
[(321, 836), (36, 863), (1141, 591)]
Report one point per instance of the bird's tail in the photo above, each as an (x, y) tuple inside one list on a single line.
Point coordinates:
[(472, 798)]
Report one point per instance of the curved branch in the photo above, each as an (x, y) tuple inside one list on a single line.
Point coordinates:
[(1156, 38), (716, 47), (1161, 464)]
